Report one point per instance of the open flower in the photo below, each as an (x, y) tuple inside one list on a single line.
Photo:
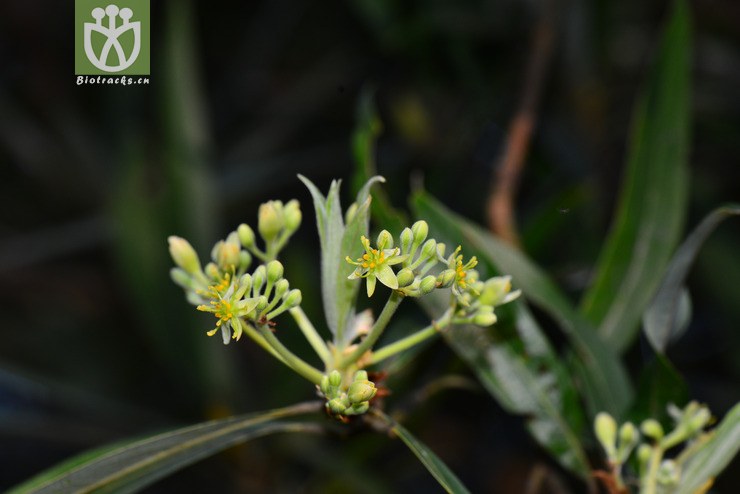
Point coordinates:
[(375, 264), (229, 307)]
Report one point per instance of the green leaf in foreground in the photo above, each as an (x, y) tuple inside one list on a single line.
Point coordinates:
[(662, 319), (714, 456), (653, 201), (139, 463), (436, 467), (604, 379)]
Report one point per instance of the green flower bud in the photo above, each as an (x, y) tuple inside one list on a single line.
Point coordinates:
[(293, 216), (385, 240), (700, 419), (484, 318), (293, 298), (182, 278), (281, 288), (628, 439), (495, 289), (429, 250), (446, 278), (262, 303), (405, 277), (428, 284), (336, 406), (324, 385), (335, 378), (644, 452), (360, 391), (245, 284), (245, 260), (605, 428), (360, 375), (183, 254), (407, 237), (420, 229), (258, 279), (652, 428), (274, 271), (357, 409), (212, 271), (270, 219), (246, 235)]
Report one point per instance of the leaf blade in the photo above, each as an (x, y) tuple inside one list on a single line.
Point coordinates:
[(441, 472), (661, 320), (141, 462), (653, 203)]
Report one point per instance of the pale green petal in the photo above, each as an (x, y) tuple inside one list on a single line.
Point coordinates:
[(370, 285), (387, 277), (395, 260)]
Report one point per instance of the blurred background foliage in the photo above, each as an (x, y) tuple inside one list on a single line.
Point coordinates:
[(97, 344)]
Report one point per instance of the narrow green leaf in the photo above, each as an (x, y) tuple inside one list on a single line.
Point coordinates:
[(714, 456), (436, 467), (139, 463), (653, 202), (662, 319), (605, 383)]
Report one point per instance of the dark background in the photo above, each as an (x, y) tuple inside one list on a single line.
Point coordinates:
[(97, 344)]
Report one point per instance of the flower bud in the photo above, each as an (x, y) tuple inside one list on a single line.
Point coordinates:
[(246, 235), (183, 254), (407, 237), (428, 284), (357, 408), (420, 230), (293, 216), (281, 288), (245, 284), (494, 290), (446, 278), (274, 271), (335, 378), (245, 260), (324, 385), (652, 428), (405, 277), (212, 271), (385, 240), (484, 318), (429, 250), (360, 391), (644, 452), (270, 219), (700, 419), (360, 375), (337, 406), (262, 303), (605, 428), (293, 298), (227, 255), (258, 279), (628, 439)]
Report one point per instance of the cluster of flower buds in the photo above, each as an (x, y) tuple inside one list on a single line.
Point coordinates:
[(689, 424), (276, 222), (224, 288), (478, 299), (617, 446), (353, 399)]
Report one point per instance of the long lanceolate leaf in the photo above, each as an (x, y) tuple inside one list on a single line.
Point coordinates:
[(604, 379), (714, 456), (661, 320), (436, 467), (653, 202), (137, 464)]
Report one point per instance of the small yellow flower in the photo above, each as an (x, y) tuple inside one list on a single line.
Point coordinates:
[(462, 276), (375, 264), (228, 306)]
